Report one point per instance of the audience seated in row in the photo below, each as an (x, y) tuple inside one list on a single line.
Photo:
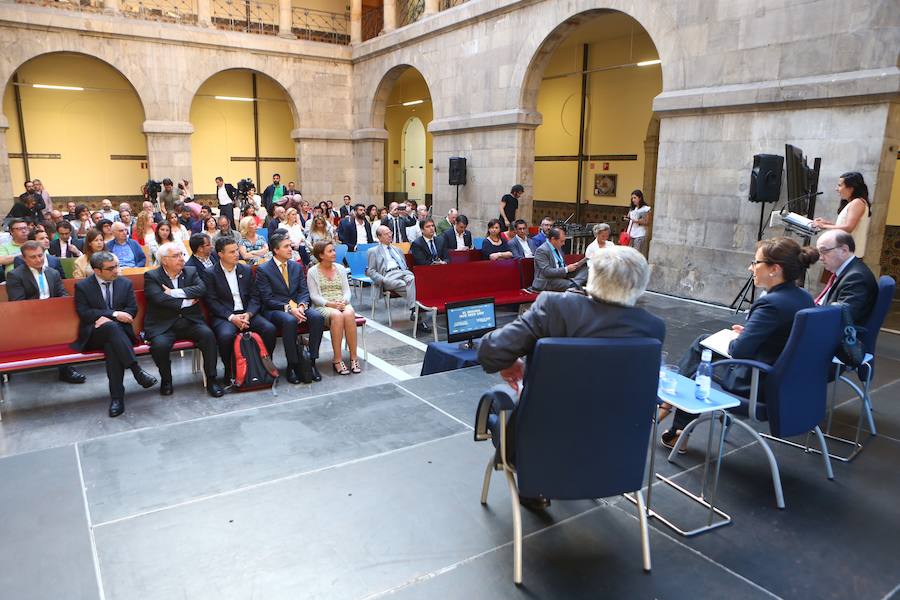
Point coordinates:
[(389, 273)]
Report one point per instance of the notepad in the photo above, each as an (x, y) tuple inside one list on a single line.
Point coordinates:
[(719, 341)]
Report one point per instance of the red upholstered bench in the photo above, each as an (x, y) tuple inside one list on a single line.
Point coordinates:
[(439, 284), (464, 256)]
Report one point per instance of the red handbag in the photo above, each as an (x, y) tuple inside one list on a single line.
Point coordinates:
[(625, 238)]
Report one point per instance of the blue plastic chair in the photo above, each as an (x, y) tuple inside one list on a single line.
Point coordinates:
[(795, 388), (575, 437), (866, 370), (363, 248), (477, 243), (358, 261), (340, 252), (263, 232)]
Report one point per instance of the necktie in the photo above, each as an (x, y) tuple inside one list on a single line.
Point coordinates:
[(433, 251), (821, 297), (396, 230), (42, 283), (107, 293), (284, 274), (559, 260)]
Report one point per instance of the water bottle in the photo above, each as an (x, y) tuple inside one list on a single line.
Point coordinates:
[(703, 379)]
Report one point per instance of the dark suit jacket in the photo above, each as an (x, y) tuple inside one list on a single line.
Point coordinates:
[(52, 263), (450, 239), (516, 248), (21, 284), (218, 297), (347, 232), (345, 211), (565, 315), (421, 253), (55, 247), (194, 262), (230, 190), (90, 306), (163, 310), (404, 222), (273, 293), (857, 288)]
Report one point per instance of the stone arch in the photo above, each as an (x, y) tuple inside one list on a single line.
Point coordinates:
[(259, 69), (541, 42), (145, 98), (383, 91)]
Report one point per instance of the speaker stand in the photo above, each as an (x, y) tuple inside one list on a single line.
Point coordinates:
[(748, 292), (457, 198)]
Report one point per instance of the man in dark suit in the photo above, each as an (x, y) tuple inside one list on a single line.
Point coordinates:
[(173, 294), (106, 308), (64, 246), (233, 303), (278, 217), (355, 228), (397, 221), (50, 261), (520, 244), (458, 237), (851, 282), (203, 257), (428, 249), (551, 273), (346, 209), (285, 302), (607, 311), (32, 280)]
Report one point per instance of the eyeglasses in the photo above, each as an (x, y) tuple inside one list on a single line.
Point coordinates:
[(753, 263), (112, 268), (823, 251)]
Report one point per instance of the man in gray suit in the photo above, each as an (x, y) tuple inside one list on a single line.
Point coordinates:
[(551, 273), (387, 269), (521, 245)]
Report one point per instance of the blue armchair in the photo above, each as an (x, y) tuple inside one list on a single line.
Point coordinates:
[(577, 433), (795, 388)]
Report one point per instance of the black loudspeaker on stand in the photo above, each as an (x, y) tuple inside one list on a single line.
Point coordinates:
[(765, 186), (457, 174)]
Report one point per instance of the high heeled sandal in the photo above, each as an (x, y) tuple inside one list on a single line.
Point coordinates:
[(354, 366), (340, 368)]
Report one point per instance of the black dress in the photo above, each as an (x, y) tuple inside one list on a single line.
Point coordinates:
[(509, 211)]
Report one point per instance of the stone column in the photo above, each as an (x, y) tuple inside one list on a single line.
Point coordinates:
[(169, 149), (324, 163), (6, 187), (111, 6), (284, 19), (432, 6), (204, 13), (499, 152), (390, 15), (355, 21), (368, 165)]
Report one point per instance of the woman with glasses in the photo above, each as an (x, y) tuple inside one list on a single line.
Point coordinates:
[(777, 265)]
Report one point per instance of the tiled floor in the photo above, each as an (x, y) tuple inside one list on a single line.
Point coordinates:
[(367, 487)]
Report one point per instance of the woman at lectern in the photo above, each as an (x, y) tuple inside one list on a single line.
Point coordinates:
[(778, 264), (854, 212)]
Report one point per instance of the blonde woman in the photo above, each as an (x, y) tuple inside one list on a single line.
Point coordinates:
[(318, 232), (329, 293), (294, 228), (252, 246), (93, 242)]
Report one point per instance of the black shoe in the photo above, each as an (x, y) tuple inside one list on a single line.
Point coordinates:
[(145, 379), (316, 376), (214, 389), (70, 375), (423, 326), (116, 407), (292, 374), (539, 503), (165, 388), (670, 438), (412, 315)]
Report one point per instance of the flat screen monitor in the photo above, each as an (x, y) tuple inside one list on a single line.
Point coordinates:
[(470, 319), (797, 180)]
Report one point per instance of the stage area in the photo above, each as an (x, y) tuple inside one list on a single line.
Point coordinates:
[(368, 487)]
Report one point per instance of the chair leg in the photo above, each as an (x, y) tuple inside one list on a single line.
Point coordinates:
[(517, 528), (415, 321), (387, 305), (434, 323), (773, 464), (824, 447), (867, 401), (645, 534), (488, 471)]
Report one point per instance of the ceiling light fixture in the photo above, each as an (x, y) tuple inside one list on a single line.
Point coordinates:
[(235, 98), (70, 88), (647, 63), (413, 102)]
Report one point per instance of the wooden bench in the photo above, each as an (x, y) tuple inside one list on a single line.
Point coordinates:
[(137, 280)]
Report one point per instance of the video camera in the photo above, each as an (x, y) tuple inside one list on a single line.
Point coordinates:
[(243, 188), (152, 188)]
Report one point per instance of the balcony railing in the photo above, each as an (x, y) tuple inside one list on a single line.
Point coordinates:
[(251, 16), (79, 5), (445, 4), (409, 11), (320, 26), (172, 11), (372, 22)]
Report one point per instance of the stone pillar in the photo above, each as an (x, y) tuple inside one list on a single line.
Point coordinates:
[(285, 18), (390, 15), (324, 163), (204, 13), (355, 21), (499, 152), (6, 187), (432, 7), (111, 6), (368, 165), (169, 149)]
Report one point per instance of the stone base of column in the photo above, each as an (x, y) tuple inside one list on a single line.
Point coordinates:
[(169, 149), (324, 163), (368, 166)]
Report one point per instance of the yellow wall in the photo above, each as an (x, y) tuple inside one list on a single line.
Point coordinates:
[(618, 112), (84, 127), (409, 86), (224, 129), (893, 217)]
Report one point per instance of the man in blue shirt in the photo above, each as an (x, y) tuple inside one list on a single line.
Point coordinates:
[(126, 250)]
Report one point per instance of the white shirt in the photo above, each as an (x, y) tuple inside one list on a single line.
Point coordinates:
[(222, 195), (232, 279), (361, 237), (110, 215), (526, 247), (635, 230), (460, 240), (593, 248), (45, 290)]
